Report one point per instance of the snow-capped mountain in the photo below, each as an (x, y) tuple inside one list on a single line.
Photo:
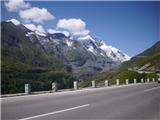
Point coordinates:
[(99, 47), (84, 56)]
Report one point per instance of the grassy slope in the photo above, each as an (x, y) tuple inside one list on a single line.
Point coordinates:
[(139, 60), (153, 57), (123, 75), (99, 77)]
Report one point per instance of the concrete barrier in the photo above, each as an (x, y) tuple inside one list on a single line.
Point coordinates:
[(54, 87), (117, 82), (75, 85), (93, 84), (106, 83), (135, 81), (127, 81), (153, 79), (27, 88), (142, 80), (148, 80)]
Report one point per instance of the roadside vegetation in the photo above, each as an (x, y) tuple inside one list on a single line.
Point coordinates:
[(15, 75)]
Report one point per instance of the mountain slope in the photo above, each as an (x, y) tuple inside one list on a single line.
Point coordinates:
[(149, 56), (97, 46), (144, 65), (83, 57), (16, 45), (42, 58), (24, 62)]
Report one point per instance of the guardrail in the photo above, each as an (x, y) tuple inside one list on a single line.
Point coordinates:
[(76, 87), (28, 89)]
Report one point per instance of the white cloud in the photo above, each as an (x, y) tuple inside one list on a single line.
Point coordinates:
[(35, 28), (28, 13), (36, 15), (71, 24), (52, 31), (16, 22), (74, 26), (15, 5)]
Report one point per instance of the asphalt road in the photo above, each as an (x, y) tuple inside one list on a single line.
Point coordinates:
[(133, 102)]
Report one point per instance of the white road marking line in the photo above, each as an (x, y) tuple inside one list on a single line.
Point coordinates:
[(52, 113), (147, 90)]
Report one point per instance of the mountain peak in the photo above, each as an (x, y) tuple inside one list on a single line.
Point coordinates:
[(99, 47), (85, 56), (94, 46), (87, 37)]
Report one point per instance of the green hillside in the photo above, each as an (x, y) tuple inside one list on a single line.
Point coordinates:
[(16, 45), (15, 74), (123, 75), (150, 57), (25, 62), (144, 57)]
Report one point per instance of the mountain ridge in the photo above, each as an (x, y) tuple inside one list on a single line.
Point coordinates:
[(88, 56)]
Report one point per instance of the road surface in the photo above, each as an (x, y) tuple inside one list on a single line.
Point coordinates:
[(132, 102)]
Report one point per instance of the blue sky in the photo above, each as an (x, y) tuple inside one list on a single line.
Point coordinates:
[(129, 26)]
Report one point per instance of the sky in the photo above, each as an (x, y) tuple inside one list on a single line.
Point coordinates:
[(131, 27)]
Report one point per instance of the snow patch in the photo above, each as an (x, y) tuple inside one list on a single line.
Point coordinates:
[(29, 33), (40, 33), (91, 49), (69, 43), (14, 21)]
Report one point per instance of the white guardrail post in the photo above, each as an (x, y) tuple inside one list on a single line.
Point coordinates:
[(135, 80), (93, 84), (153, 79), (54, 87), (106, 83), (142, 80), (127, 81), (75, 85), (27, 88), (117, 82), (148, 80)]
